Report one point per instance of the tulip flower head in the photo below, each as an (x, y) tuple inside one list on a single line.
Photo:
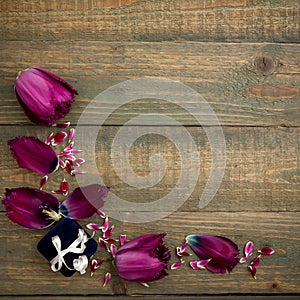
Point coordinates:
[(43, 96), (143, 259)]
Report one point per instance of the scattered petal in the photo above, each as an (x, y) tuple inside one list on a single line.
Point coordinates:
[(78, 162), (113, 250), (61, 163), (103, 244), (77, 172), (43, 181), (64, 187), (177, 265), (253, 271), (248, 248), (255, 261), (49, 138), (95, 265), (145, 284), (107, 278), (243, 259), (266, 251), (105, 224), (93, 226), (101, 213), (33, 154), (58, 138), (122, 239), (199, 264), (68, 166), (108, 232), (71, 134), (63, 125), (69, 147)]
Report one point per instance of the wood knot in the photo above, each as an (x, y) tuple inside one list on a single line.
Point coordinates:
[(265, 65)]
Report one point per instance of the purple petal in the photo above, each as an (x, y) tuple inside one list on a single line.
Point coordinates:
[(122, 239), (199, 264), (71, 134), (95, 265), (63, 125), (69, 147), (49, 138), (108, 232), (77, 172), (78, 162), (223, 251), (248, 248), (64, 187), (176, 265), (253, 271), (107, 278), (68, 166), (105, 224), (244, 259), (103, 244), (255, 261), (28, 206), (145, 284), (58, 138), (101, 213), (84, 201), (93, 226), (43, 181), (266, 251), (113, 250), (33, 154), (61, 163), (43, 96)]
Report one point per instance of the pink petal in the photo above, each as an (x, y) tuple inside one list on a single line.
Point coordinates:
[(77, 172), (108, 232), (176, 265), (248, 248), (61, 163), (64, 187), (243, 259), (49, 138), (78, 162), (103, 244), (68, 166), (145, 284), (69, 147), (43, 181), (63, 125), (107, 278), (253, 271), (93, 226), (58, 138), (266, 251), (101, 213), (255, 261), (199, 264), (95, 265), (105, 224), (122, 239), (110, 241), (71, 134), (113, 250)]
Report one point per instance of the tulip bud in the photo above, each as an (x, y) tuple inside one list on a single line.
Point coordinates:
[(43, 96)]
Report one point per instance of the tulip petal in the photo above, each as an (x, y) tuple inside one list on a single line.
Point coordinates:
[(43, 181), (199, 264), (253, 271), (28, 206), (122, 239), (93, 226), (223, 251), (84, 201), (248, 248), (255, 261), (71, 134), (63, 125), (101, 213), (43, 96), (58, 138), (176, 265), (33, 154), (107, 278), (266, 251), (113, 250), (95, 265)]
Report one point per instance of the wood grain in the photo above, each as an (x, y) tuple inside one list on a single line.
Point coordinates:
[(245, 84), (22, 266), (154, 20), (262, 167)]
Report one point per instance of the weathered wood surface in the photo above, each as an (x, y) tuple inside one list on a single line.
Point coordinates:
[(245, 84), (242, 56), (262, 167), (154, 20), (24, 271)]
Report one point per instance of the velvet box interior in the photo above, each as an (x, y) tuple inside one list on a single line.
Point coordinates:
[(67, 231)]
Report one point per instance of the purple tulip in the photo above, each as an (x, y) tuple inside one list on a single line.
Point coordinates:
[(31, 208), (84, 201), (143, 259), (43, 96), (222, 251), (33, 154)]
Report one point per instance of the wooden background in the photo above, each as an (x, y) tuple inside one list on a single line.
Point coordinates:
[(242, 56)]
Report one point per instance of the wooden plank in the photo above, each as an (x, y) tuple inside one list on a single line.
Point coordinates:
[(155, 20), (262, 166), (245, 84), (23, 271)]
